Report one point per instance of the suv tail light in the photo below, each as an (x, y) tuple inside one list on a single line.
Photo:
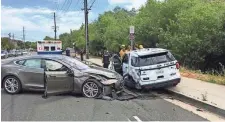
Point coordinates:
[(177, 65)]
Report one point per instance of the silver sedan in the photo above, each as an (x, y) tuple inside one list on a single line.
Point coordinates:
[(56, 74)]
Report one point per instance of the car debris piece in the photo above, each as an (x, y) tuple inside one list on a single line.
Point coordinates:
[(107, 98)]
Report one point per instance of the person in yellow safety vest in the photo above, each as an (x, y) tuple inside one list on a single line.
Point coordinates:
[(122, 51), (141, 47)]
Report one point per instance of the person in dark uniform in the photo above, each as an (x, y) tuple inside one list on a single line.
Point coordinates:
[(105, 60), (82, 54)]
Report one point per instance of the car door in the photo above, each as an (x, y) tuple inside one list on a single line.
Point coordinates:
[(31, 73), (58, 78), (117, 63)]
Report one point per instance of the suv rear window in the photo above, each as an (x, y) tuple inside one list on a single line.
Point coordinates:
[(152, 59)]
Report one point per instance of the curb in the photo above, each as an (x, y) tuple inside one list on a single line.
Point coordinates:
[(85, 60), (197, 103)]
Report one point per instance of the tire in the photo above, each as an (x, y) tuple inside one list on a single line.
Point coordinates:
[(96, 85), (16, 82)]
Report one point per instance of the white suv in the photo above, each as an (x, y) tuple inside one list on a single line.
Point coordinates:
[(147, 68)]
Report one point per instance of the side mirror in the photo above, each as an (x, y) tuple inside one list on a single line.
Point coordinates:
[(70, 72)]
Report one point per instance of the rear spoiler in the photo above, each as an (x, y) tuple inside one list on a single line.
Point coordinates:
[(153, 54)]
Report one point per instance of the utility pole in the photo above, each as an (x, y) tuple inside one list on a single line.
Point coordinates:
[(9, 37), (71, 42), (24, 37), (71, 38), (13, 36), (55, 26), (86, 28)]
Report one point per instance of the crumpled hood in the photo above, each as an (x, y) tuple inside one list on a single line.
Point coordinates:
[(101, 71)]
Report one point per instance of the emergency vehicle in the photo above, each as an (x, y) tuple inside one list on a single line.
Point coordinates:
[(147, 68), (49, 47)]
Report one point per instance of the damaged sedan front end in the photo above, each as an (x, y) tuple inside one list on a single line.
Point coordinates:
[(111, 81), (91, 81)]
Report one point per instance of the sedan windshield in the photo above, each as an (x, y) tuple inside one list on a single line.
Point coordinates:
[(78, 64)]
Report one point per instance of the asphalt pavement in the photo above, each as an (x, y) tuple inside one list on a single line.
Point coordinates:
[(30, 106)]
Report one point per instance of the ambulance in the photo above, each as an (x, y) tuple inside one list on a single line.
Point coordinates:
[(49, 47)]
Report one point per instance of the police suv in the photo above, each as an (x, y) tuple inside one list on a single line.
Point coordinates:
[(147, 68)]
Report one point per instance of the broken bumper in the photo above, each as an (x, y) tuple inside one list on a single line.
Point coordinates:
[(113, 87), (163, 84)]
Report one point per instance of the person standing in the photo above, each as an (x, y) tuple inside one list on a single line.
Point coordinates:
[(82, 54), (122, 51), (105, 60)]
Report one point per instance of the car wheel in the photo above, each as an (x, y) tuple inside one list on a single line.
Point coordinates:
[(91, 88), (12, 85)]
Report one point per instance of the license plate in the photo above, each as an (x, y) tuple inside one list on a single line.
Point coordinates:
[(159, 72)]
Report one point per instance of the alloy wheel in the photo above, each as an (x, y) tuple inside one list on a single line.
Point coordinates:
[(90, 89), (11, 85)]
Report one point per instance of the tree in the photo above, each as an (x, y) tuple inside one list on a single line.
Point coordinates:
[(6, 44), (193, 30), (48, 38)]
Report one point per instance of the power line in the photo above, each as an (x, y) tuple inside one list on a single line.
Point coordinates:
[(65, 2), (57, 6), (92, 4), (77, 5), (70, 2)]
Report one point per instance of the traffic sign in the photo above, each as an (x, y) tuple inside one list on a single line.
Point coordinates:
[(131, 29), (131, 36)]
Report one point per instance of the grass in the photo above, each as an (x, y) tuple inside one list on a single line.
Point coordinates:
[(196, 74)]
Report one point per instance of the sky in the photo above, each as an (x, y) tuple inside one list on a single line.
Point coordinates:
[(37, 15)]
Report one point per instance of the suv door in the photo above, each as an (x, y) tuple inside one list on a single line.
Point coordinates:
[(58, 78), (117, 63)]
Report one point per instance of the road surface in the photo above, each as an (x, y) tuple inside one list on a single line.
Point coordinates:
[(30, 106)]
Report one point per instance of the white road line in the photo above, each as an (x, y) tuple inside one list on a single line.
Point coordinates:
[(137, 118)]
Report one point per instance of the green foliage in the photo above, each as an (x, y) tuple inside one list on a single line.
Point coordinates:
[(6, 44), (191, 29), (9, 45), (48, 38)]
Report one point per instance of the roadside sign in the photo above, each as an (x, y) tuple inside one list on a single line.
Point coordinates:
[(131, 36), (131, 29)]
